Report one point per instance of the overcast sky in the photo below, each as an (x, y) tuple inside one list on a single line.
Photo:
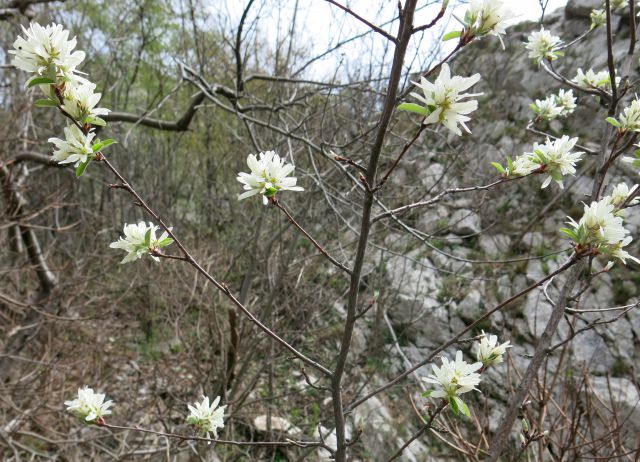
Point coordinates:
[(320, 26)]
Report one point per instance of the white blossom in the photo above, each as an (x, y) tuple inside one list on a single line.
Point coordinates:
[(592, 79), (620, 193), (617, 251), (46, 51), (487, 17), (566, 101), (600, 226), (89, 405), (75, 148), (630, 117), (269, 175), (443, 99), (140, 239), (207, 418), (557, 158), (598, 18), (489, 351), (547, 108), (619, 4), (80, 100), (454, 378), (523, 166), (543, 45)]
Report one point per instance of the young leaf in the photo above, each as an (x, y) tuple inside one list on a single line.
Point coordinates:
[(412, 107), (454, 407), (39, 81), (97, 121), (462, 406), (427, 393), (108, 142), (451, 35), (165, 242), (498, 167), (147, 237), (613, 122), (97, 146), (46, 103), (81, 168)]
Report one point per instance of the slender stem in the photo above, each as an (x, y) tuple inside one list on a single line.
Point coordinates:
[(371, 26), (404, 36), (439, 197), (220, 286), (405, 148), (416, 435), (610, 62), (301, 444), (277, 203)]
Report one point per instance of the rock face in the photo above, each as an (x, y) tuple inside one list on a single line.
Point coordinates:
[(457, 275)]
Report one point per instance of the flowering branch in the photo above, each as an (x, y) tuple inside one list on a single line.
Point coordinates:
[(569, 263)]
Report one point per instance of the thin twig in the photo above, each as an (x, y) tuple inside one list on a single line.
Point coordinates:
[(276, 202)]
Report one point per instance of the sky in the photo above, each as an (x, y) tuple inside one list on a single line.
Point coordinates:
[(320, 26)]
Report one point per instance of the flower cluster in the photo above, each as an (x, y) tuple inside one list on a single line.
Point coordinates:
[(457, 377), (76, 148), (453, 379), (89, 406), (542, 45), (140, 240), (80, 102), (597, 80), (48, 54), (621, 193), (601, 229), (598, 18), (547, 108), (442, 100), (486, 17), (207, 418), (560, 105), (629, 120), (269, 175), (554, 158), (489, 352)]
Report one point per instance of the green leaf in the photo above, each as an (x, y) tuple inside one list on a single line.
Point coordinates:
[(499, 167), (570, 233), (165, 242), (534, 106), (510, 165), (108, 142), (147, 237), (97, 121), (451, 35), (613, 122), (81, 168), (39, 81), (96, 146), (412, 107), (454, 407), (427, 393), (462, 406), (46, 103)]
